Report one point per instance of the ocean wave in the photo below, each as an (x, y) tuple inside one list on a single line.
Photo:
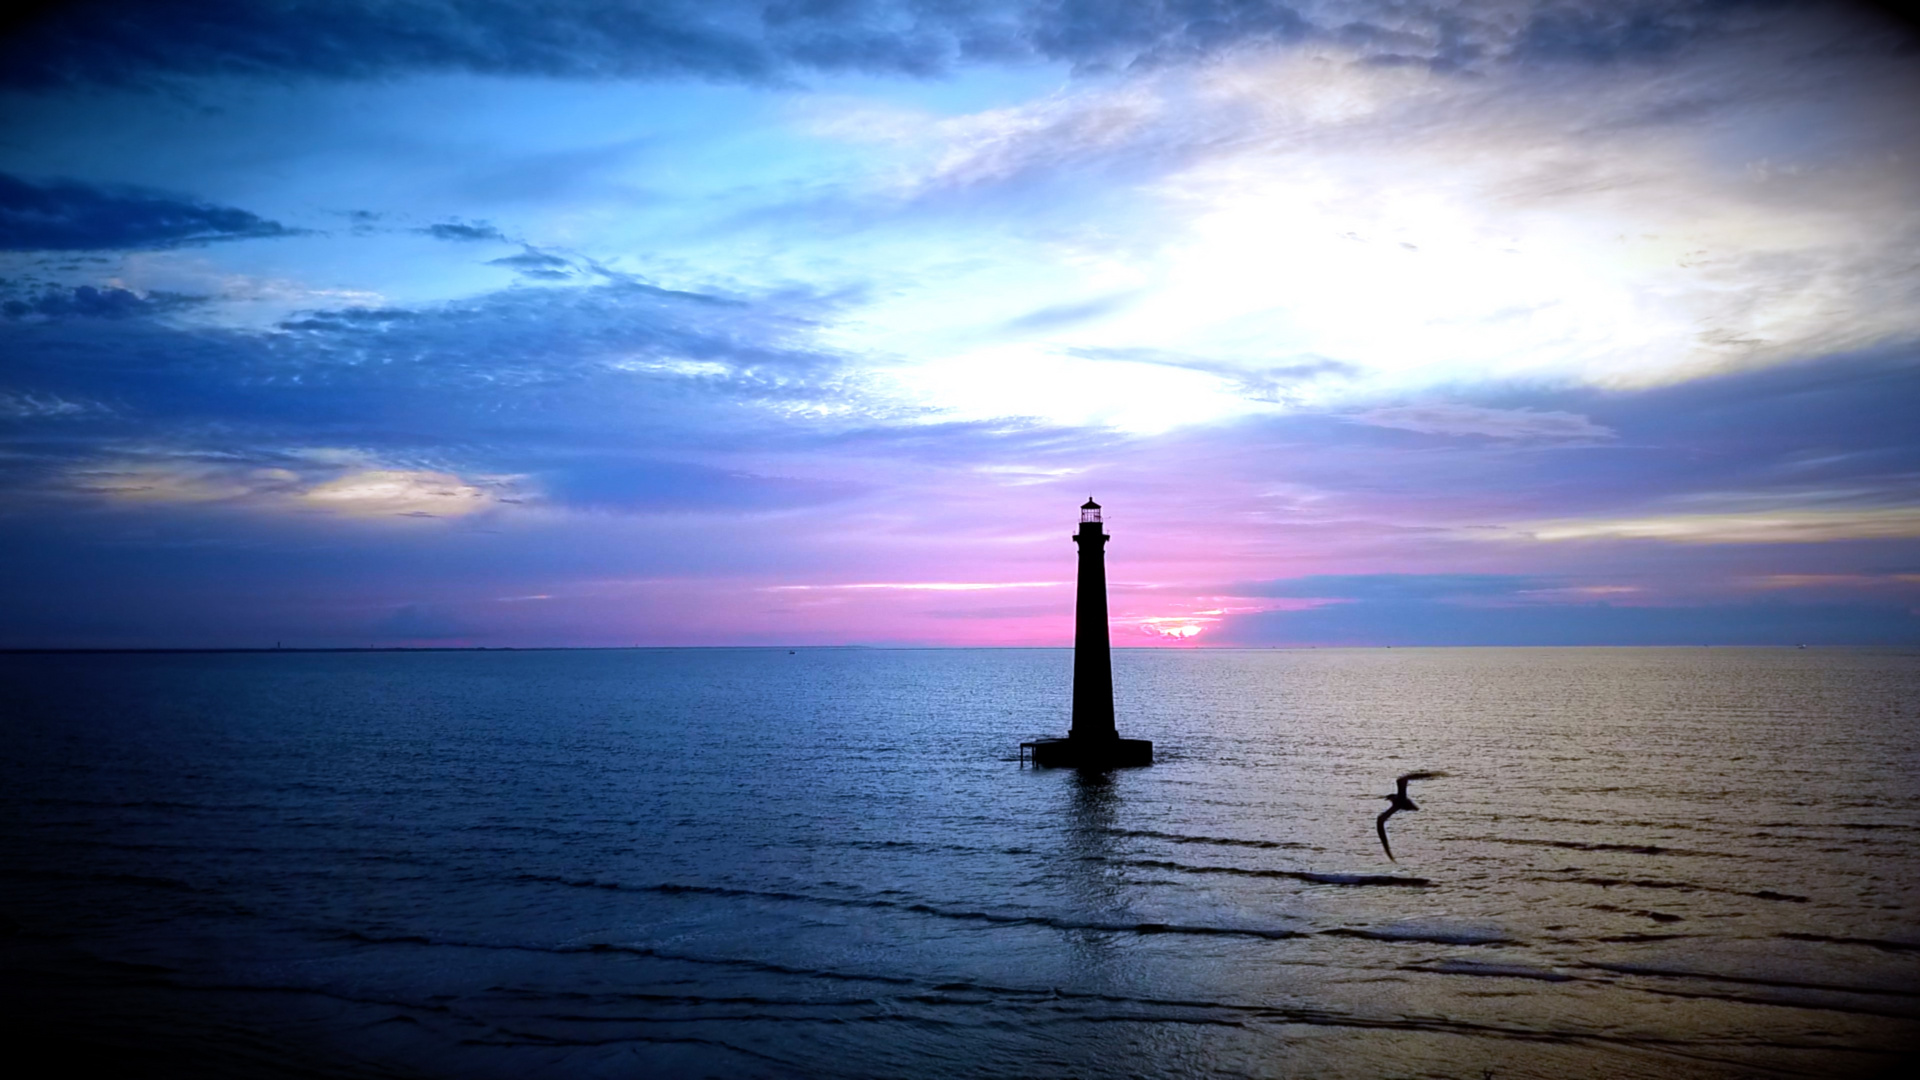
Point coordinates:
[(1664, 972), (1577, 845), (1644, 913), (922, 908), (1313, 877), (1183, 838), (1040, 1004), (1678, 886), (1431, 933), (1481, 967), (145, 881), (1872, 943), (1439, 934)]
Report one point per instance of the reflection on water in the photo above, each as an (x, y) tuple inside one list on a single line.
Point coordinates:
[(1098, 893), (1658, 863)]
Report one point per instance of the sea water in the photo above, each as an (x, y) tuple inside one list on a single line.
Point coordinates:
[(1640, 863)]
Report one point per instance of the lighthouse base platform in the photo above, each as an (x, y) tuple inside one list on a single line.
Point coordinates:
[(1073, 753)]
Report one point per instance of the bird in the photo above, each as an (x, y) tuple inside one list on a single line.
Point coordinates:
[(1400, 802)]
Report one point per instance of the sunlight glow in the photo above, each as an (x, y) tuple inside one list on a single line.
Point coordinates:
[(407, 493), (1302, 210), (1031, 382)]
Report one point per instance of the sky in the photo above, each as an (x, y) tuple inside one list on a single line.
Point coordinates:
[(812, 322)]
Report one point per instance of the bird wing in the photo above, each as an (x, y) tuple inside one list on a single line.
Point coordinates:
[(1380, 823), (1416, 776)]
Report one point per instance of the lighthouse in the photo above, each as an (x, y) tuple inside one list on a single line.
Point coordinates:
[(1092, 741), (1092, 646)]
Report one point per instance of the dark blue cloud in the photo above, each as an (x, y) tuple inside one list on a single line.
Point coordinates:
[(1097, 33), (461, 231), (343, 319), (1597, 35), (1558, 31), (1837, 424), (536, 264), (87, 301), (530, 260), (129, 41), (566, 384), (65, 215)]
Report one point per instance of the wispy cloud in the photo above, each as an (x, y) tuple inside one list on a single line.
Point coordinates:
[(89, 302), (463, 232), (1453, 419), (67, 215), (1785, 526), (403, 492), (1835, 581), (127, 42), (305, 482)]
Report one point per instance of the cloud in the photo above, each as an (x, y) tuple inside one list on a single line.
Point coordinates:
[(349, 318), (597, 395), (1544, 223), (1175, 627), (1056, 316), (91, 302), (165, 482), (1788, 525), (462, 231), (66, 215), (1389, 587), (537, 264), (1453, 419), (343, 483), (126, 41), (1020, 382), (400, 492), (1284, 383), (1613, 33), (38, 407), (624, 338), (1880, 580)]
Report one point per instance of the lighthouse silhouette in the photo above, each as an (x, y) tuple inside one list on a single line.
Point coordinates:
[(1092, 742)]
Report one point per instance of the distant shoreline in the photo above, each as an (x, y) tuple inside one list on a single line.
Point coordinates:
[(209, 650)]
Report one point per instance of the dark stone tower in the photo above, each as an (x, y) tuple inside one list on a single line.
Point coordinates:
[(1092, 647), (1092, 742)]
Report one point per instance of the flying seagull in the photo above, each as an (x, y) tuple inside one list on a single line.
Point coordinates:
[(1400, 802)]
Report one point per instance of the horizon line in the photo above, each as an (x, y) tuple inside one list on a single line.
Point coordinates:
[(35, 650)]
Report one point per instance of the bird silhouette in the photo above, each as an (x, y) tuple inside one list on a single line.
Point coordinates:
[(1400, 802)]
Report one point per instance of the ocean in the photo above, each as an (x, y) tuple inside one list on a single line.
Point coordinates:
[(1655, 863)]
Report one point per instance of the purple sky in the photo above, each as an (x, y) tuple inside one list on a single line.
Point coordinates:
[(605, 323)]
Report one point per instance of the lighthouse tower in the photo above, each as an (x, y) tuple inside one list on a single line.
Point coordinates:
[(1092, 742), (1092, 646)]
